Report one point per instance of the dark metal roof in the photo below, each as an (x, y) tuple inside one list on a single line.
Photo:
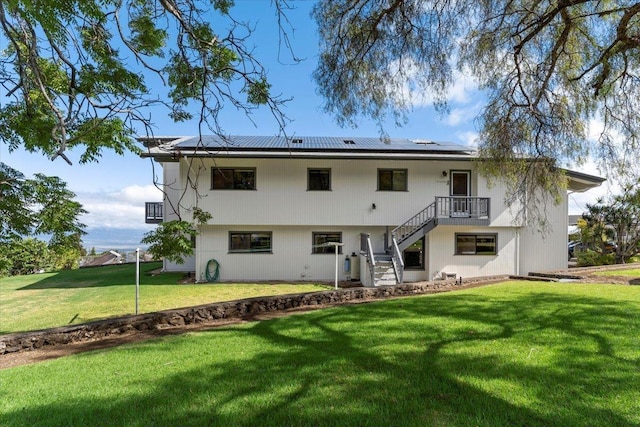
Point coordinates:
[(326, 144)]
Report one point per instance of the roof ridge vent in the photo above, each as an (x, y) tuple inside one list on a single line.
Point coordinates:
[(424, 142)]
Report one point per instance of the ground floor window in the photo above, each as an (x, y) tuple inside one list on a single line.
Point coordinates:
[(413, 256), (320, 238), (250, 242), (476, 244)]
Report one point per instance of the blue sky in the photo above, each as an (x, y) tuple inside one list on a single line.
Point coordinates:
[(115, 189)]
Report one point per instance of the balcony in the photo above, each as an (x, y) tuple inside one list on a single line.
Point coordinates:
[(153, 212), (462, 210)]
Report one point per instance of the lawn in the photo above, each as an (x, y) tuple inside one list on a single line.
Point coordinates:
[(512, 354), (70, 297), (632, 272)]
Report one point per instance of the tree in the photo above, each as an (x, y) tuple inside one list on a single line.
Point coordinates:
[(548, 68), (83, 74), (79, 73), (37, 206), (175, 239), (24, 256), (617, 220)]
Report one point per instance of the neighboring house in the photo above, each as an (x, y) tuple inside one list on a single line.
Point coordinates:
[(107, 258), (413, 209)]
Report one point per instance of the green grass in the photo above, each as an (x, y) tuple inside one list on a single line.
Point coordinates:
[(70, 297), (513, 354), (632, 272)]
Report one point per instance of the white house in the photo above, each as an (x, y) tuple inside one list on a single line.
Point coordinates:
[(412, 209)]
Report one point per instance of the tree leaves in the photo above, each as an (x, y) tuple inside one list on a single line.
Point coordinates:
[(79, 73)]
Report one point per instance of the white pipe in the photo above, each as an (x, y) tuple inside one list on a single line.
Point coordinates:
[(517, 252), (336, 278)]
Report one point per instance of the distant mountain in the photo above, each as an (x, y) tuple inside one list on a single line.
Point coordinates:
[(117, 239)]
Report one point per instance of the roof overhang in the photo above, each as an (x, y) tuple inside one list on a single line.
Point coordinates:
[(172, 149), (580, 182)]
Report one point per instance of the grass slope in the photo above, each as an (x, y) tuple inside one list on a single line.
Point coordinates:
[(70, 297), (513, 354)]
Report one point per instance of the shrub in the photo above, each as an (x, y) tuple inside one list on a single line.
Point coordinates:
[(589, 257)]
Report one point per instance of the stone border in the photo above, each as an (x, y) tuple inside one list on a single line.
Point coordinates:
[(216, 313), (210, 314), (581, 273)]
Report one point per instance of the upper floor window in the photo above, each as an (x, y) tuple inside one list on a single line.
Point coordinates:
[(320, 240), (256, 241), (319, 180), (392, 180), (476, 244), (233, 178)]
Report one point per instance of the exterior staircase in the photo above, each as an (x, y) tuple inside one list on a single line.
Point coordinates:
[(388, 268), (384, 273)]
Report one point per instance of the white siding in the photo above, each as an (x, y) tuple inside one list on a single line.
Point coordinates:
[(172, 191), (281, 196), (281, 204), (291, 258), (443, 258), (546, 251)]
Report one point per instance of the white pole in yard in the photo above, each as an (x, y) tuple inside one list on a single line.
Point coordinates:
[(137, 277), (336, 251)]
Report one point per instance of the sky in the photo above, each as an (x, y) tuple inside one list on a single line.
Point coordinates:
[(115, 189)]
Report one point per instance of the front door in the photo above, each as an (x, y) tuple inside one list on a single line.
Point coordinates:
[(460, 190)]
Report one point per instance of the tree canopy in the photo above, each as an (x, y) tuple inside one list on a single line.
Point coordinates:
[(84, 74), (39, 205), (549, 69), (79, 73), (615, 219)]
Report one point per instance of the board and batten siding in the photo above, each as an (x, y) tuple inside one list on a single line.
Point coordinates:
[(444, 259), (291, 258), (546, 250), (172, 192), (281, 196)]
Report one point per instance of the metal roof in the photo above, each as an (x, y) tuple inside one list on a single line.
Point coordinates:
[(314, 143)]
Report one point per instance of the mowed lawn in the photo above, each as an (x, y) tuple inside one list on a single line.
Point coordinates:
[(511, 354), (631, 272), (48, 300)]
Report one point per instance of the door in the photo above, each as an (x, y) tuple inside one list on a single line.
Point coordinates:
[(460, 189)]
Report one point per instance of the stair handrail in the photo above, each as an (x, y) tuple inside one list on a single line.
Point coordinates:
[(417, 221), (372, 261), (398, 263)]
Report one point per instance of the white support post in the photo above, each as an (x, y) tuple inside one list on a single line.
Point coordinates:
[(137, 277)]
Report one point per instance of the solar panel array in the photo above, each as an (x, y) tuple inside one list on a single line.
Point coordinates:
[(322, 143)]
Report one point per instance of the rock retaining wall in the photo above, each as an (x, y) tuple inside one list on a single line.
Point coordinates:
[(212, 313)]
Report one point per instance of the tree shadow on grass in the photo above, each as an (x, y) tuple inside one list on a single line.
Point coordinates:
[(410, 362)]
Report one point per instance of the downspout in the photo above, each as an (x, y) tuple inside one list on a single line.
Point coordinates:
[(518, 252)]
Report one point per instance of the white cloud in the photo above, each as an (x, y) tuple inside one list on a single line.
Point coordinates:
[(459, 92), (120, 209), (468, 138), (463, 115)]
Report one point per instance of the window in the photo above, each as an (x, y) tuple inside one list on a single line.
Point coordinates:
[(233, 178), (413, 256), (392, 180), (476, 244), (319, 180), (250, 242), (319, 239)]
